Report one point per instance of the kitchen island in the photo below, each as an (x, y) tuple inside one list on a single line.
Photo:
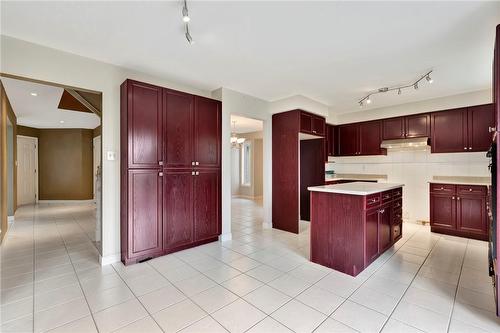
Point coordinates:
[(354, 223)]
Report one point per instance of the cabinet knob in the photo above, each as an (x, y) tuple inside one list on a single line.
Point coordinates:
[(470, 148), (465, 148), (193, 163), (458, 198), (470, 190), (197, 163), (160, 162), (452, 198), (197, 173), (193, 173), (491, 129), (160, 174)]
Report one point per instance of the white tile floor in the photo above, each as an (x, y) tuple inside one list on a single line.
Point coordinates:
[(261, 281)]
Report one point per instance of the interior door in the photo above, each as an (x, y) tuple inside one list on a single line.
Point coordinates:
[(27, 174), (206, 204), (179, 115), (207, 135), (178, 208), (145, 227), (471, 214), (145, 134)]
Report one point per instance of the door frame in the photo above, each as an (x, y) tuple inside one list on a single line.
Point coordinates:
[(94, 169), (35, 140)]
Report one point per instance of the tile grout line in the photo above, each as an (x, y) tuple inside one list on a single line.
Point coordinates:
[(456, 289)]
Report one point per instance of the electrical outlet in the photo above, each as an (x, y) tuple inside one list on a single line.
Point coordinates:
[(111, 155)]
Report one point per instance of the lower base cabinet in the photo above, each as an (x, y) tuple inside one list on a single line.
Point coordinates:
[(459, 210), (170, 210)]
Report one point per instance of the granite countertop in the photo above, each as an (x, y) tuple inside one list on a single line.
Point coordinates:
[(355, 188), (355, 176), (461, 180)]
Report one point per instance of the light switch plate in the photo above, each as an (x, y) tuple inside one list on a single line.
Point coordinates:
[(111, 155)]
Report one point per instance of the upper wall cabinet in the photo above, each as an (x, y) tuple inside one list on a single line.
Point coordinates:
[(329, 141), (207, 132), (359, 139), (312, 124), (462, 130), (144, 110), (414, 126)]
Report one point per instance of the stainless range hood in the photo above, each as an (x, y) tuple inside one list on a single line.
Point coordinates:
[(405, 144)]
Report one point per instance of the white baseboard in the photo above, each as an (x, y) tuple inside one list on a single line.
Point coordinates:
[(266, 225), (10, 219), (108, 260), (67, 201), (226, 237)]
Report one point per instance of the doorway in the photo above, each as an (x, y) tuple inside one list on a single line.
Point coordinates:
[(27, 165)]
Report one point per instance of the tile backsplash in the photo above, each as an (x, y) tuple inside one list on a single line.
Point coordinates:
[(414, 169)]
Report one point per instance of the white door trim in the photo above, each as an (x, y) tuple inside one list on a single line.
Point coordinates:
[(35, 140)]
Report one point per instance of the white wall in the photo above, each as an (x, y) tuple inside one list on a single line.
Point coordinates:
[(42, 63), (299, 102), (436, 104)]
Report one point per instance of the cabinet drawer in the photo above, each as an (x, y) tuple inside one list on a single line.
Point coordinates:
[(471, 189), (398, 204), (397, 193), (443, 188), (386, 196), (372, 200)]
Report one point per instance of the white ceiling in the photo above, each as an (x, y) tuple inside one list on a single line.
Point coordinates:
[(245, 125), (332, 52), (41, 111)]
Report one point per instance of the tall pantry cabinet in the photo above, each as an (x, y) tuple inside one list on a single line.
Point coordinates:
[(170, 171)]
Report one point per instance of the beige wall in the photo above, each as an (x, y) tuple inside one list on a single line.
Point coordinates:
[(254, 190), (65, 164)]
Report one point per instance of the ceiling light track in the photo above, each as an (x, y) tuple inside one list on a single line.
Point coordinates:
[(186, 19), (414, 85)]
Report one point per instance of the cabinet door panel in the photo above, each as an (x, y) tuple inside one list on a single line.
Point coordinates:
[(144, 125), (443, 211), (178, 129), (449, 133), (306, 123), (207, 204), (384, 228), (393, 128), (318, 126), (371, 250), (471, 214), (480, 118), (347, 140), (370, 138), (330, 144), (207, 132), (144, 213), (418, 126), (178, 208)]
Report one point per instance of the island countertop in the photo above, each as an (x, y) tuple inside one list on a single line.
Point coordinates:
[(356, 188)]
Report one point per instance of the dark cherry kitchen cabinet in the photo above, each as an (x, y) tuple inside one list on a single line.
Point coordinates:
[(480, 119), (312, 124), (329, 141), (206, 197), (144, 107), (384, 227), (414, 126), (143, 231), (179, 129), (171, 138), (462, 130), (178, 208), (287, 182), (371, 229), (207, 132), (459, 210), (359, 139)]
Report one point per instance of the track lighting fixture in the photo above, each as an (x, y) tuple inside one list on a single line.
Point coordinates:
[(186, 19), (185, 13), (414, 85)]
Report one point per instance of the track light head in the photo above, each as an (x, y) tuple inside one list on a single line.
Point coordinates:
[(399, 91), (185, 13), (429, 79), (189, 38), (368, 100)]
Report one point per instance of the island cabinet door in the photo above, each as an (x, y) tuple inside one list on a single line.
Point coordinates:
[(384, 228), (371, 234), (443, 211)]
